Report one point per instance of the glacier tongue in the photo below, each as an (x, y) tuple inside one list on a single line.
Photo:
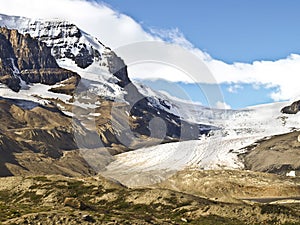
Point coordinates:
[(240, 128)]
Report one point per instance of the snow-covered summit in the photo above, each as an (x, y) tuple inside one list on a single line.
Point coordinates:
[(99, 67), (65, 38)]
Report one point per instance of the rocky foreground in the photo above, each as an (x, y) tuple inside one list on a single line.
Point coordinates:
[(96, 200)]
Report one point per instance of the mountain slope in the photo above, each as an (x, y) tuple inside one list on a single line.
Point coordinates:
[(93, 88), (278, 154)]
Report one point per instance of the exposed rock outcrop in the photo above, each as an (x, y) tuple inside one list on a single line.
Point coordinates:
[(68, 42), (22, 57), (292, 109), (118, 68), (278, 154), (8, 73), (30, 53), (49, 76), (65, 39)]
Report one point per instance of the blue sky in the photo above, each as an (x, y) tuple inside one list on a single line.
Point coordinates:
[(263, 36), (235, 95), (229, 30)]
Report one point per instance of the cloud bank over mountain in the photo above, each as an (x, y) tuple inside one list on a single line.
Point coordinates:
[(116, 29), (111, 27)]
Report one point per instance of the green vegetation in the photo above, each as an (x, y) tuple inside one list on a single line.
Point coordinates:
[(275, 209), (117, 203)]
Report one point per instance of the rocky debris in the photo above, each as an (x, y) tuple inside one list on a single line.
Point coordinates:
[(88, 218), (7, 157), (44, 135), (231, 185), (292, 109), (67, 86), (117, 128), (50, 199), (74, 203)]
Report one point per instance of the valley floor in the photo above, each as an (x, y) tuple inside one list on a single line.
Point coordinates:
[(96, 200)]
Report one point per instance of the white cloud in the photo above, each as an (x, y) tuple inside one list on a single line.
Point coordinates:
[(112, 28), (222, 105), (283, 73), (172, 35), (256, 86), (115, 30), (234, 88), (158, 71)]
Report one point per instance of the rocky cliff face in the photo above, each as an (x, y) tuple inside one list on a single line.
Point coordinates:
[(117, 67), (8, 70), (67, 41), (30, 54), (23, 58)]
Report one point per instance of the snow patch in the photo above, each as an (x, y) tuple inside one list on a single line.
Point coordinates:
[(291, 174)]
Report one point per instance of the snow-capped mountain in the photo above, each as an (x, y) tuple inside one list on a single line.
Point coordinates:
[(78, 51), (103, 81), (261, 120), (94, 87), (75, 50)]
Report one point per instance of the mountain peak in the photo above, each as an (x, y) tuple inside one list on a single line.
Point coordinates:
[(65, 38)]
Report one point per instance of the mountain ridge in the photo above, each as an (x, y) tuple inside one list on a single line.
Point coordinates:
[(56, 73)]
